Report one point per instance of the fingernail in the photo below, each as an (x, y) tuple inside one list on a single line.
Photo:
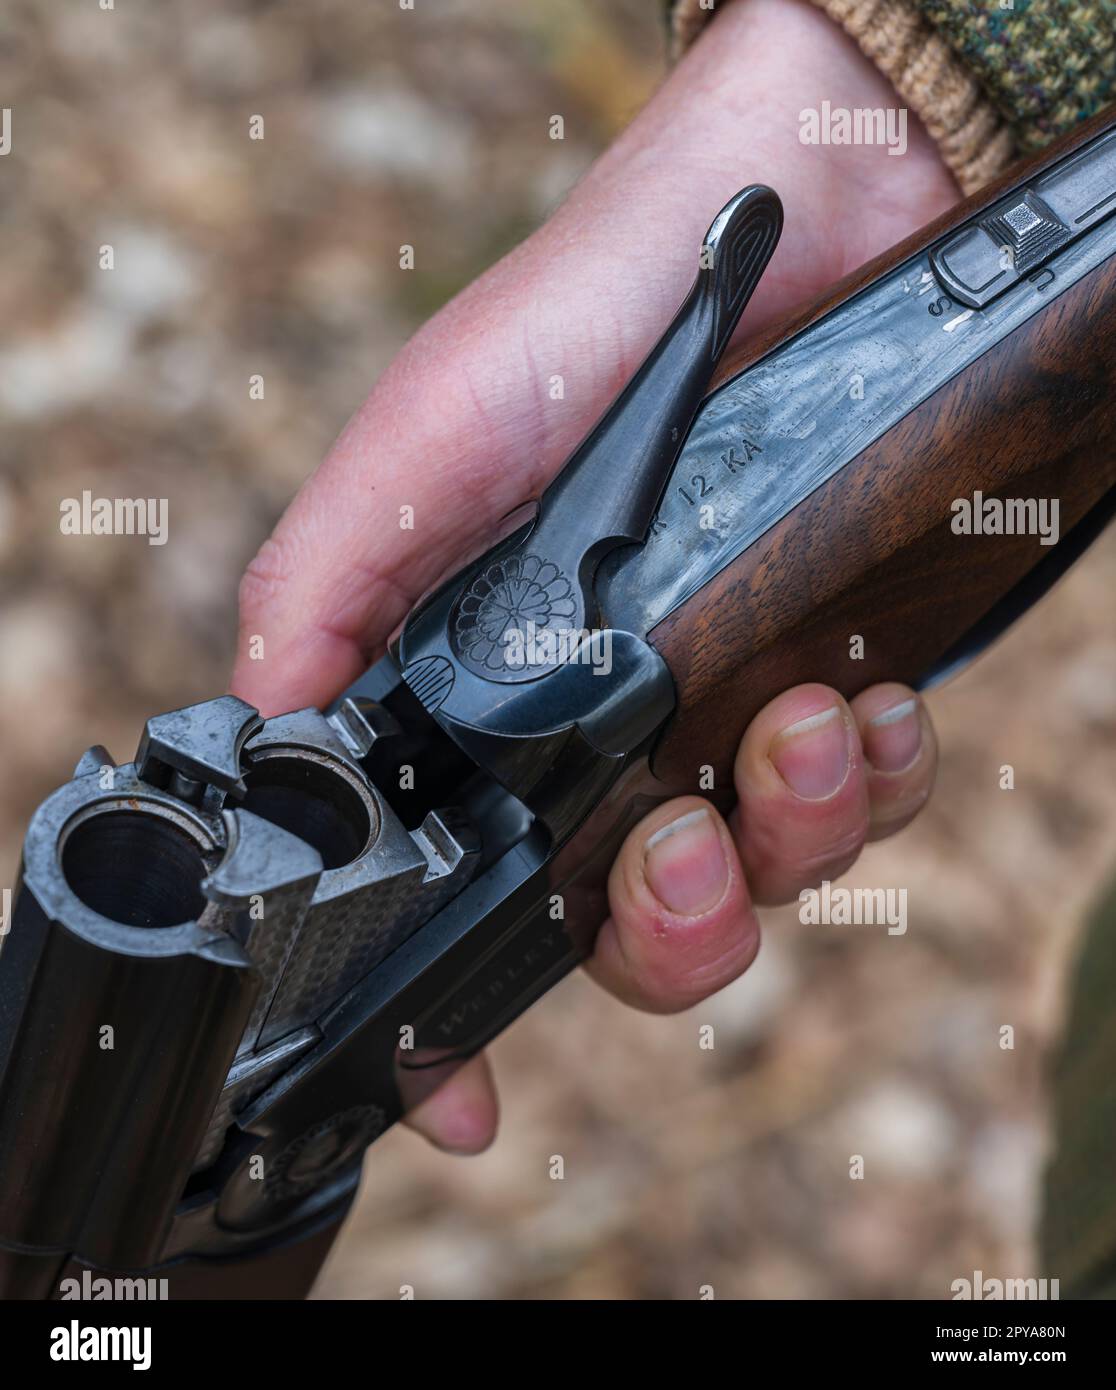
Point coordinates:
[(812, 757), (892, 740), (685, 866)]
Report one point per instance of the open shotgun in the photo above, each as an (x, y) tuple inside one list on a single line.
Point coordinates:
[(235, 961)]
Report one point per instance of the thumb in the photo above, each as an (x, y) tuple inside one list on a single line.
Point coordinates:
[(479, 410)]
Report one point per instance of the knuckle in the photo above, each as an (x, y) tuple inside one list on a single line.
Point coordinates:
[(834, 853), (675, 981), (264, 580), (785, 865), (833, 856), (890, 816)]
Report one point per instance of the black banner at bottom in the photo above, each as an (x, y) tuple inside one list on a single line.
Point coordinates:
[(307, 1339)]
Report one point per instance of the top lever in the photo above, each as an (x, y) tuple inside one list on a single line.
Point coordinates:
[(608, 490)]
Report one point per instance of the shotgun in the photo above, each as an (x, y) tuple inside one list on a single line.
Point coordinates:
[(234, 962)]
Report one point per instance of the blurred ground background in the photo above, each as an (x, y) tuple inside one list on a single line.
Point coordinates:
[(683, 1167)]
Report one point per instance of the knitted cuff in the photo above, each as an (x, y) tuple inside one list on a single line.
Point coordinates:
[(974, 140)]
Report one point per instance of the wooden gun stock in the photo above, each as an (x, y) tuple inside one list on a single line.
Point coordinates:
[(873, 551)]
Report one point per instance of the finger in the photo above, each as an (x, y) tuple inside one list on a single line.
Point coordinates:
[(461, 1115), (803, 796), (900, 753), (682, 923)]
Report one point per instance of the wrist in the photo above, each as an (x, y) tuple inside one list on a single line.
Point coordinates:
[(926, 73), (731, 113)]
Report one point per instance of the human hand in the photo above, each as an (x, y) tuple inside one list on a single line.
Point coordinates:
[(462, 429)]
